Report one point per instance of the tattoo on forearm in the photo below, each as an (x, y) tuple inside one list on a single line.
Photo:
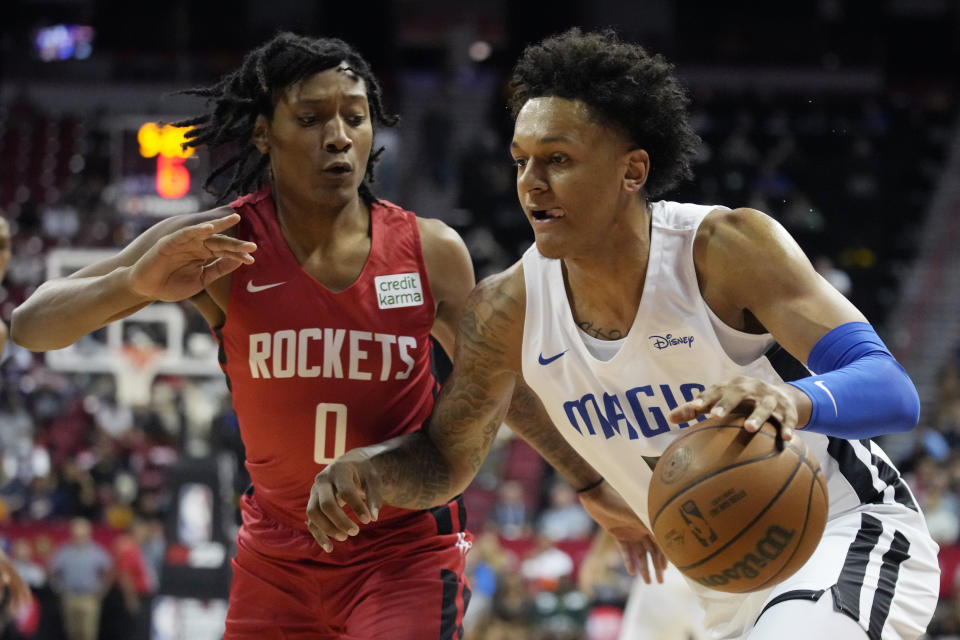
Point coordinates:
[(528, 419), (431, 469), (415, 476), (603, 334)]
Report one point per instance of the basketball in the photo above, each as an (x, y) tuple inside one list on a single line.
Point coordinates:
[(736, 511)]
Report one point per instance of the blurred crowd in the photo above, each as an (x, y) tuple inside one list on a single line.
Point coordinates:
[(83, 493)]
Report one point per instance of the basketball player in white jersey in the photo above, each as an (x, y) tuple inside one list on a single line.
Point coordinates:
[(632, 319)]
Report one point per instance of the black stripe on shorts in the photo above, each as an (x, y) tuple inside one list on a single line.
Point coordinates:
[(901, 494), (887, 583), (852, 468), (447, 521), (450, 629), (846, 593), (857, 473), (796, 594)]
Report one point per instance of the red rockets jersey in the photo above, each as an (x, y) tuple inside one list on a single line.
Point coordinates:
[(315, 373)]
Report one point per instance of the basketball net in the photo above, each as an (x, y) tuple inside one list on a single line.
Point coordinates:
[(135, 368)]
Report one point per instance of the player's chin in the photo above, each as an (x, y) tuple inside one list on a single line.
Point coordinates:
[(337, 194), (550, 245)]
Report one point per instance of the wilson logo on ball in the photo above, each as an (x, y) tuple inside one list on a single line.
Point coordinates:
[(769, 548)]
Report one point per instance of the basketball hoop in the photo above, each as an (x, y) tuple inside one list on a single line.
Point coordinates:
[(136, 367)]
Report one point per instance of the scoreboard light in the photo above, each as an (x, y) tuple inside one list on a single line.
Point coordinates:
[(165, 142)]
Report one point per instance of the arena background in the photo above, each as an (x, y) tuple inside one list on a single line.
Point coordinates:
[(837, 117)]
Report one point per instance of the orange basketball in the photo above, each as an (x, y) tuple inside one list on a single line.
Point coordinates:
[(736, 511)]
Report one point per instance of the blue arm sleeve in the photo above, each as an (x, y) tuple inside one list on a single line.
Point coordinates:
[(860, 391)]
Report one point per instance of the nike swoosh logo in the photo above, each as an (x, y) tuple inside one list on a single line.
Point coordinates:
[(820, 384), (551, 359), (254, 288)]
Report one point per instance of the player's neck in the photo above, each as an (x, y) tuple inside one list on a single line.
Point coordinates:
[(312, 224), (604, 286)]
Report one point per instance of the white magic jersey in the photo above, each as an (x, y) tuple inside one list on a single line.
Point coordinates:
[(614, 412)]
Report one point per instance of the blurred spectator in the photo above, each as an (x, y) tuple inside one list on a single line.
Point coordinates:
[(561, 615), (946, 620), (112, 418), (941, 508), (564, 518), (487, 562), (21, 556), (16, 425), (79, 491), (27, 616), (15, 594), (4, 261), (512, 607), (603, 577), (510, 511), (547, 568), (135, 583), (150, 535), (668, 611), (833, 274), (80, 573), (604, 623)]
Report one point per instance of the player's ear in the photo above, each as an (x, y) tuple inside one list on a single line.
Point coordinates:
[(638, 168), (260, 135)]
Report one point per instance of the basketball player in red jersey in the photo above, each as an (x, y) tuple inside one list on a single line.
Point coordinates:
[(325, 341)]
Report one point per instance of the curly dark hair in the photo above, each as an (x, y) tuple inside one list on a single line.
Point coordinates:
[(623, 86), (236, 100)]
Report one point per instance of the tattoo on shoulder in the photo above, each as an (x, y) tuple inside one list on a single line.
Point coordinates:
[(490, 319)]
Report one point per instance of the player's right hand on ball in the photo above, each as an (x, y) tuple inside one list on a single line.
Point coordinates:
[(182, 263), (350, 481)]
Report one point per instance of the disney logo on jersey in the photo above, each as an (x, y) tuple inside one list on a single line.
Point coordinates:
[(634, 413), (398, 290), (667, 341)]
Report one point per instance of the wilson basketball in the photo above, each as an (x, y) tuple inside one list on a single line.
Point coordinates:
[(736, 511)]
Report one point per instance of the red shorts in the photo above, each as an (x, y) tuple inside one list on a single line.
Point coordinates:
[(400, 579)]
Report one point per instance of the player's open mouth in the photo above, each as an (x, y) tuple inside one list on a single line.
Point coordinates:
[(338, 168), (547, 214)]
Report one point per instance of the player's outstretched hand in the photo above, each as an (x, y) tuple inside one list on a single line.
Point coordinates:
[(350, 481), (753, 400), (637, 545), (182, 263), (10, 579)]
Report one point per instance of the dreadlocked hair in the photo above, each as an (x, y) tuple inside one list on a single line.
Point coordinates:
[(624, 87), (235, 101)]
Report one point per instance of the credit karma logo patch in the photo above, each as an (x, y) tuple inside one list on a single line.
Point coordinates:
[(398, 290)]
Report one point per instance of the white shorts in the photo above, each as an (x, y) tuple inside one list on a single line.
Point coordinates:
[(668, 611), (877, 563)]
